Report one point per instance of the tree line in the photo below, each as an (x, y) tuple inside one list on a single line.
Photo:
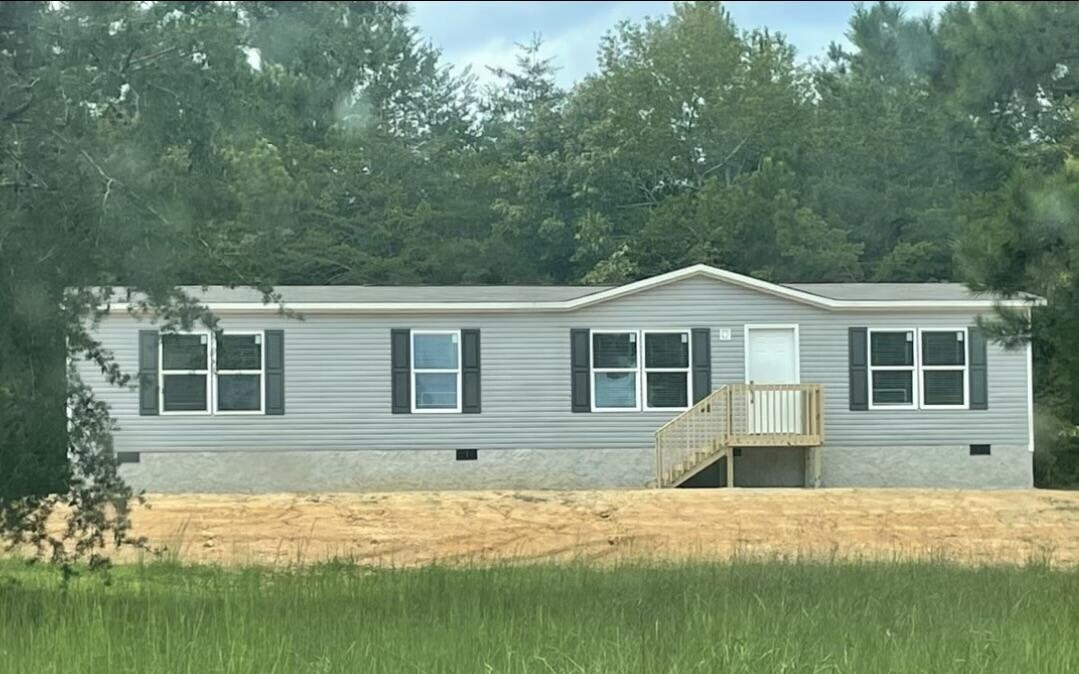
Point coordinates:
[(153, 144)]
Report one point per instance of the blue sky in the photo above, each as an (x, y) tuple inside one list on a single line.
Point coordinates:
[(484, 33)]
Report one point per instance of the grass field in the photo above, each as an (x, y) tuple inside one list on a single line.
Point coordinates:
[(740, 616)]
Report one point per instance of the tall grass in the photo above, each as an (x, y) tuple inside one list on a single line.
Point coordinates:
[(730, 617)]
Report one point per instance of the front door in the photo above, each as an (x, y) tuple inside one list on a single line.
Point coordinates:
[(772, 358)]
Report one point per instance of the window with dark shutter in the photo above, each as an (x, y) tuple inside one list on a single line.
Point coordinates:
[(917, 368)]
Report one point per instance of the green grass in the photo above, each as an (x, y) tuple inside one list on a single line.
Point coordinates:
[(736, 617)]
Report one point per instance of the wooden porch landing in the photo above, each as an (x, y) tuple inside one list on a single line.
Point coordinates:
[(741, 415)]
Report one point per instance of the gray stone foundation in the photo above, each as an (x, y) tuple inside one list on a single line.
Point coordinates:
[(394, 470), (1007, 467)]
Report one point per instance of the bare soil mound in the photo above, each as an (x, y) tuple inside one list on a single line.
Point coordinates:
[(410, 528)]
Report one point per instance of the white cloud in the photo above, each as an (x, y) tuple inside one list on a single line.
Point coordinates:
[(570, 31), (486, 34), (925, 7)]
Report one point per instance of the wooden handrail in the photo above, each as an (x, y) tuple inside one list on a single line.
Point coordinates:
[(705, 401), (738, 415)]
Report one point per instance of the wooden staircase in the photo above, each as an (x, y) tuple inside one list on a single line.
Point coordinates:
[(738, 415)]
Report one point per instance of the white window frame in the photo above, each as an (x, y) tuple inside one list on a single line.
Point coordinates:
[(593, 370), (688, 369), (416, 409), (915, 375), (206, 372), (640, 371), (261, 334), (965, 367), (919, 369)]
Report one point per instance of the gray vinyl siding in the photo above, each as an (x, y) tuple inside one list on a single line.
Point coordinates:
[(337, 380)]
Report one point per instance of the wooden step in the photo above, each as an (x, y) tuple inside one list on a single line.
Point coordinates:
[(697, 462)]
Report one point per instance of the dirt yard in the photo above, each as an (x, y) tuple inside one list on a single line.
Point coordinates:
[(421, 527)]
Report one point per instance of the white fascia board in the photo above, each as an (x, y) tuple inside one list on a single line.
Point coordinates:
[(613, 293), (372, 307), (505, 307), (930, 305)]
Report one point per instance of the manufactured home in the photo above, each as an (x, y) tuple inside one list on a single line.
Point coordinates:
[(699, 377)]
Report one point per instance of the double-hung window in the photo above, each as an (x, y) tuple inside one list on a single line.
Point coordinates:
[(615, 359), (185, 373), (945, 373), (918, 368), (640, 369), (666, 370), (200, 374), (892, 366), (239, 370), (436, 370)]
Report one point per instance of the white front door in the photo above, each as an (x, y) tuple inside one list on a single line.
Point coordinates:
[(772, 358)]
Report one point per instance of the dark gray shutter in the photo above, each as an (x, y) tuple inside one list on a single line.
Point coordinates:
[(470, 371), (702, 363), (148, 343), (580, 364), (401, 370), (979, 374), (275, 371), (858, 361)]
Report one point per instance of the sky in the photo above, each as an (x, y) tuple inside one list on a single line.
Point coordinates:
[(481, 34)]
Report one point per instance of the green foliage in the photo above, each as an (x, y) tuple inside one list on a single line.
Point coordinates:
[(1013, 65), (80, 208), (146, 145), (744, 616), (1025, 235), (1014, 70), (678, 104), (140, 148), (755, 225)]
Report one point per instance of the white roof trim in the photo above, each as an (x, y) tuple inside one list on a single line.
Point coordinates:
[(620, 291)]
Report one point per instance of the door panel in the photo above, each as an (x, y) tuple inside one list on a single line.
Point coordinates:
[(772, 358)]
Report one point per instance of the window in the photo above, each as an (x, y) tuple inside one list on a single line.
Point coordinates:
[(614, 371), (918, 368), (891, 369), (436, 370), (200, 375), (623, 368), (944, 368), (185, 373), (239, 372), (666, 370)]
